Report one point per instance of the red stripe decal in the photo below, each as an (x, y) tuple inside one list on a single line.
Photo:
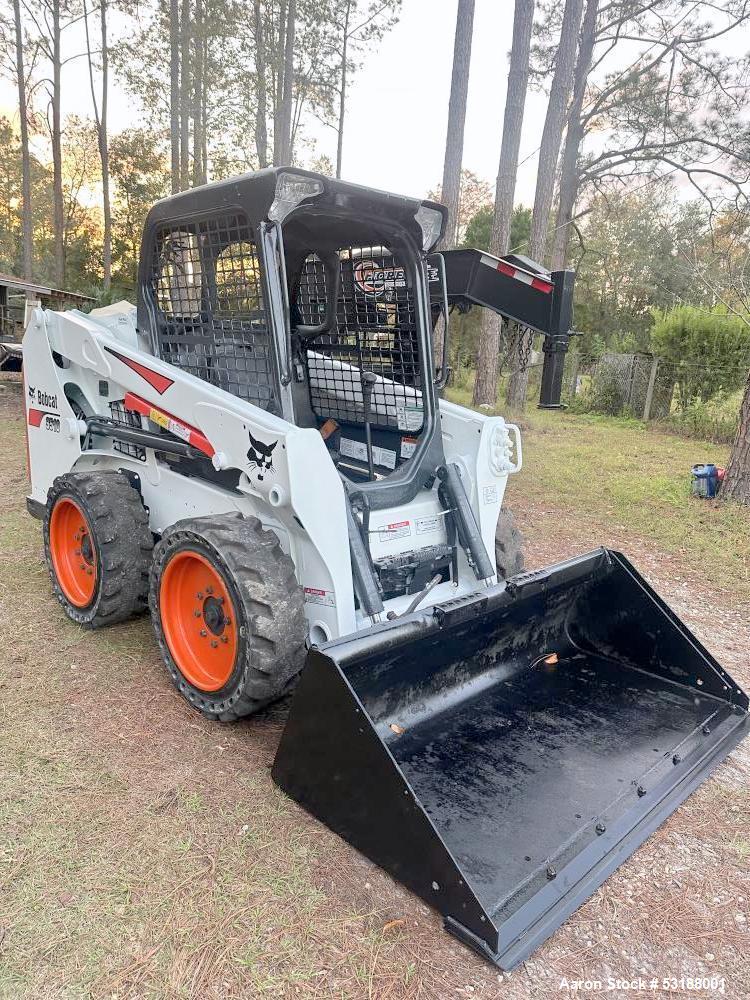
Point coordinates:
[(541, 286), (36, 417), (539, 283), (26, 427), (159, 382), (177, 427)]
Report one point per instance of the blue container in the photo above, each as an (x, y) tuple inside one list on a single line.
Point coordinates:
[(705, 481)]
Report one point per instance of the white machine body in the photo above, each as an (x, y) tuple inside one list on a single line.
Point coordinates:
[(78, 365)]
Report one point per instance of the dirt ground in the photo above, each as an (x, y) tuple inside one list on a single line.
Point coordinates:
[(146, 853)]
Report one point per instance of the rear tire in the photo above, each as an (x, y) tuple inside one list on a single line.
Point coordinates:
[(228, 614), (98, 547), (508, 546)]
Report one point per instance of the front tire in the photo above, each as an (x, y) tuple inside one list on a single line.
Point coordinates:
[(508, 546), (98, 547), (228, 614)]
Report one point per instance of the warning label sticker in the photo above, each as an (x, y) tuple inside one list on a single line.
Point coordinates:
[(426, 525), (408, 417), (399, 529), (315, 596), (408, 446), (179, 430), (489, 494), (358, 449)]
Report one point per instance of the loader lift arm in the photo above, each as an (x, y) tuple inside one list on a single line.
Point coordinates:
[(518, 289)]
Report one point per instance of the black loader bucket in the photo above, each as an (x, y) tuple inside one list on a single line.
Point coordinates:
[(502, 754)]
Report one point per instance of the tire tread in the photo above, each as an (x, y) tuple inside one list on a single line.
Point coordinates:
[(272, 609), (509, 556), (119, 522)]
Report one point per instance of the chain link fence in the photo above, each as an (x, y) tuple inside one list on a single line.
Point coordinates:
[(636, 385), (700, 400), (694, 399)]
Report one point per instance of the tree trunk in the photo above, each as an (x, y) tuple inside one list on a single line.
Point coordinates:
[(261, 134), (100, 119), (737, 480), (174, 91), (185, 85), (58, 212), (26, 220), (199, 61), (342, 89), (287, 90), (549, 152), (104, 152), (204, 126), (515, 104), (454, 142), (554, 123), (485, 386), (569, 175), (278, 83)]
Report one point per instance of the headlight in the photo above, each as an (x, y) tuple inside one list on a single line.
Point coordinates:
[(501, 451), (431, 222), (291, 191)]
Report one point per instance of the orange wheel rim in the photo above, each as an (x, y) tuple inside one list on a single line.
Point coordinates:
[(73, 554), (199, 620)]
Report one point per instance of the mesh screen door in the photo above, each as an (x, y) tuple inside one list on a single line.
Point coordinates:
[(376, 331), (211, 317)]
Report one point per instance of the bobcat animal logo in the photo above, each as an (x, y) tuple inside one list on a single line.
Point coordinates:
[(260, 456)]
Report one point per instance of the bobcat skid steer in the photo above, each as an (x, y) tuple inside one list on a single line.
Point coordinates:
[(259, 453)]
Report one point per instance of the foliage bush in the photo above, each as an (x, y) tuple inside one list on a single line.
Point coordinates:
[(715, 420), (479, 230), (709, 349), (608, 396), (601, 391)]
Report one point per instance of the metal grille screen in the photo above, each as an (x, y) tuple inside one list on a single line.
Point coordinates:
[(127, 418), (206, 283), (376, 332)]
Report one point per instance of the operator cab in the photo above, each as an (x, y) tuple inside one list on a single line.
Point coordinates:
[(361, 359), (308, 297)]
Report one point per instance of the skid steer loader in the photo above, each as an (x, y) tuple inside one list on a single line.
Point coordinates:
[(259, 453)]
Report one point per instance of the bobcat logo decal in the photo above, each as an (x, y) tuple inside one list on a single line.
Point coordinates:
[(260, 456)]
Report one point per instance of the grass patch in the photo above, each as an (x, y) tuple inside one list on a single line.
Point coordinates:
[(636, 478), (145, 853)]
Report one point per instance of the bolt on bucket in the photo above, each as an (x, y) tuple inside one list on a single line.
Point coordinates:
[(502, 754)]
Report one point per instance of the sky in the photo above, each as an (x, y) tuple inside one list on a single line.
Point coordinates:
[(404, 92), (398, 102)]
